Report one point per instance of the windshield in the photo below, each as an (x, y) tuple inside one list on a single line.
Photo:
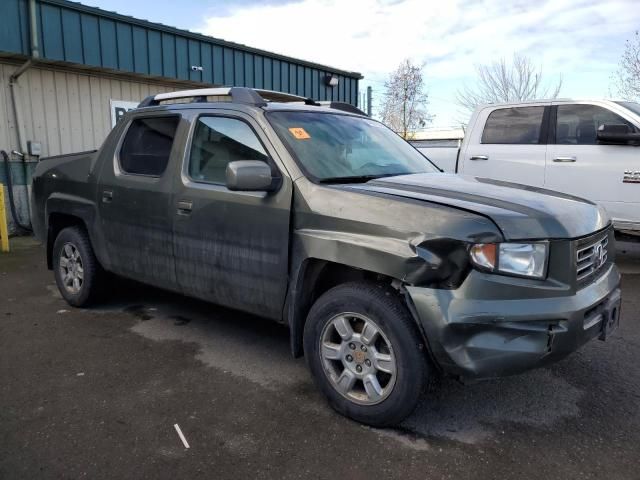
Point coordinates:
[(633, 106), (335, 147)]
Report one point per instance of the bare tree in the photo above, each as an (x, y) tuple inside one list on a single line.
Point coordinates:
[(404, 108), (503, 82), (626, 80)]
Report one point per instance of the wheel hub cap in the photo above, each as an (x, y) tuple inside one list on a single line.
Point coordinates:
[(71, 270), (358, 358)]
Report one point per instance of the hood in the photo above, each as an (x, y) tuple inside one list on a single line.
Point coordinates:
[(520, 211)]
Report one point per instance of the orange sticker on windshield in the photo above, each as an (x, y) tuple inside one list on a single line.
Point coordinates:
[(299, 133)]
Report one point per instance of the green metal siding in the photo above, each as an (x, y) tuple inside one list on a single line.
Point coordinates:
[(52, 39), (90, 40), (124, 39), (155, 52), (207, 63), (108, 43), (141, 58), (182, 60), (73, 33), (14, 34)]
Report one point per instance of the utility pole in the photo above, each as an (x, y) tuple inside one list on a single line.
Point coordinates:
[(369, 98)]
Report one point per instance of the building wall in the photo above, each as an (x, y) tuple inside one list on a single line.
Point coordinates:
[(66, 110)]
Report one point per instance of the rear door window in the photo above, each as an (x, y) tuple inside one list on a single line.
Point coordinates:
[(578, 124), (147, 145), (514, 126)]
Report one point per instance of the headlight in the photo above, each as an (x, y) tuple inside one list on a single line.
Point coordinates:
[(521, 259)]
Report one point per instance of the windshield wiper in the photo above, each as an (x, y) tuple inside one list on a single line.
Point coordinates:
[(356, 178)]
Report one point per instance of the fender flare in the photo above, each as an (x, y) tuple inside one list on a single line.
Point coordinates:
[(72, 206)]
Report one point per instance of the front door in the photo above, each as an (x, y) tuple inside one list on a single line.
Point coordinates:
[(231, 247), (511, 147), (134, 200), (578, 165)]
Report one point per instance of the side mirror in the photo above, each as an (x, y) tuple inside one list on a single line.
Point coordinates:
[(617, 133), (251, 176)]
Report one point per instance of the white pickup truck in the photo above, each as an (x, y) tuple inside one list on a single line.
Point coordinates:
[(586, 148)]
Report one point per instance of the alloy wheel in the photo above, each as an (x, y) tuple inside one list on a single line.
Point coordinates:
[(71, 270), (358, 358)]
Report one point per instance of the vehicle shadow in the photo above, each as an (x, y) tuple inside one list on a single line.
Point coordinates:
[(258, 349)]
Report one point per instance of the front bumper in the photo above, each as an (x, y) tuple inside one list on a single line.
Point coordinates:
[(481, 331)]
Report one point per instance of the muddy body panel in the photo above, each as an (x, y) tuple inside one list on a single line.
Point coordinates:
[(263, 252)]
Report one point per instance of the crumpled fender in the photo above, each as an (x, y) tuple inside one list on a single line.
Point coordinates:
[(388, 256), (401, 238), (414, 242)]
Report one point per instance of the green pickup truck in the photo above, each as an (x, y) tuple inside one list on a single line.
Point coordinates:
[(386, 270)]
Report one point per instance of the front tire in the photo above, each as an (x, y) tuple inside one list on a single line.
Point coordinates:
[(77, 272), (365, 353)]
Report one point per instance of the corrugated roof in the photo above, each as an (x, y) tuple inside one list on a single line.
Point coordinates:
[(187, 33)]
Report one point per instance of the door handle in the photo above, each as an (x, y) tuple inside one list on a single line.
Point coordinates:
[(564, 159), (479, 157), (185, 207), (107, 196)]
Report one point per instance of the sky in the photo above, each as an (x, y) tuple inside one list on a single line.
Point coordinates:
[(579, 41)]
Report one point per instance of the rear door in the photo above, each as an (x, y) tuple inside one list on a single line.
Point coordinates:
[(231, 247), (578, 165), (134, 198), (511, 145)]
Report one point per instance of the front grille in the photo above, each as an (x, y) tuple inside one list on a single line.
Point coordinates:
[(592, 254)]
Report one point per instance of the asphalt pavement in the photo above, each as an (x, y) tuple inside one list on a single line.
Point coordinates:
[(96, 393)]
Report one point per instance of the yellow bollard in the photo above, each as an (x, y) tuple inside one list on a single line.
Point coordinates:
[(4, 231)]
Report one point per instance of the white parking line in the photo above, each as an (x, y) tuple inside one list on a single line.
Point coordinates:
[(184, 440)]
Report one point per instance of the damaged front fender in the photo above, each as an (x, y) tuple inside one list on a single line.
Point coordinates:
[(415, 242)]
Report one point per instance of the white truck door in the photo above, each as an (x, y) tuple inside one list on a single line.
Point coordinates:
[(507, 143), (578, 165), (443, 154)]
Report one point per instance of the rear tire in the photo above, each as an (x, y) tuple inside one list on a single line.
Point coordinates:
[(78, 273), (365, 353)]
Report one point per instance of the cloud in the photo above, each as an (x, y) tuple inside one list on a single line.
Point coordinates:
[(579, 39)]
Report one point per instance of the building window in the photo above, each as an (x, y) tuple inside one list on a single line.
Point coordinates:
[(147, 145)]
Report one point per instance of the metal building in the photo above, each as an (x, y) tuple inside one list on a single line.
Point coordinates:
[(67, 71)]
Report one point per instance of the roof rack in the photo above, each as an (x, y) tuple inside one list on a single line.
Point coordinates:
[(249, 96), (344, 106), (238, 95)]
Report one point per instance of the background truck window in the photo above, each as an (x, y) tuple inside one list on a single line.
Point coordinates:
[(578, 124), (633, 106), (218, 141), (147, 145), (515, 126)]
